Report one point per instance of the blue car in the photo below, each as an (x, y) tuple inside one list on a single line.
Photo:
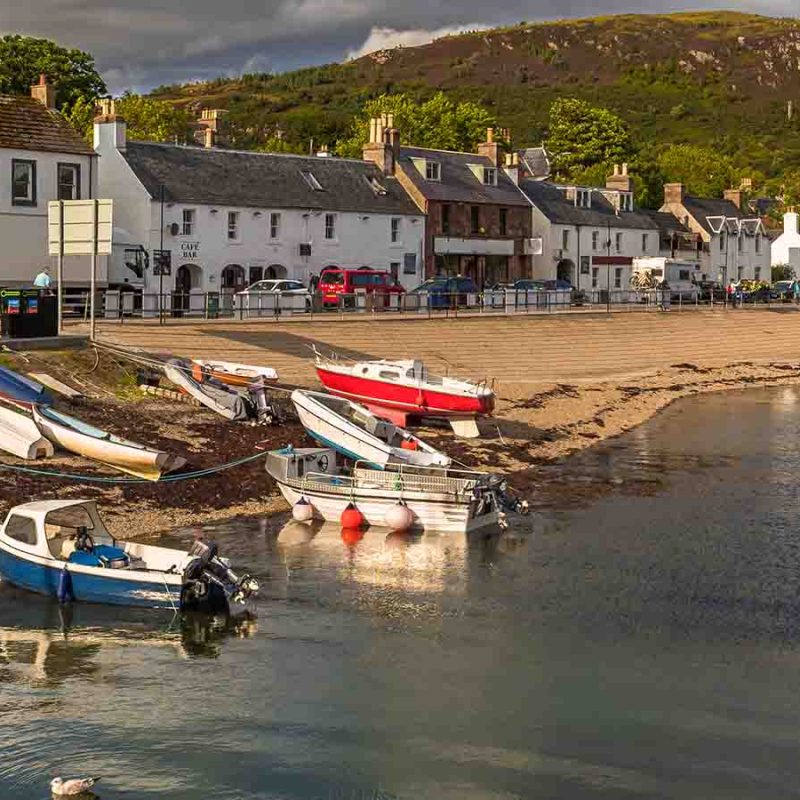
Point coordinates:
[(448, 292)]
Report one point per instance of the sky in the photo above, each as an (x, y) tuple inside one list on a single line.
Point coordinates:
[(140, 45)]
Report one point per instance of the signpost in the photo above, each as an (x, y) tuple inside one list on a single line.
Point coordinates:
[(79, 228)]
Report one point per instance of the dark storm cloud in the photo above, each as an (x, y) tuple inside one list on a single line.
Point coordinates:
[(160, 41)]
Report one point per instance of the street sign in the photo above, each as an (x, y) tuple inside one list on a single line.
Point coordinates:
[(162, 262), (73, 231)]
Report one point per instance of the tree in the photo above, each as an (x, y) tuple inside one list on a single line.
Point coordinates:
[(153, 120), (72, 72), (582, 136), (703, 172), (438, 123), (782, 272)]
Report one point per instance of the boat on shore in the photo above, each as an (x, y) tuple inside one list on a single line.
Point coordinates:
[(358, 434), (438, 499), (403, 389), (76, 436), (206, 390), (62, 549), (232, 374), (20, 436), (22, 391)]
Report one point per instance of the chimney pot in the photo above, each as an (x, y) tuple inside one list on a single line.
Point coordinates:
[(489, 135), (624, 169)]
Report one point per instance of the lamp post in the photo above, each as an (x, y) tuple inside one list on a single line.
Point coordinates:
[(161, 261), (608, 268)]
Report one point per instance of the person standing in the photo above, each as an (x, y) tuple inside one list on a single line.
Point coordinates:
[(43, 280), (730, 294), (796, 291), (666, 296)]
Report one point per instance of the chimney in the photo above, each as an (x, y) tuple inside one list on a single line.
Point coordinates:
[(790, 220), (45, 93), (620, 181), (512, 167), (673, 194), (110, 129), (734, 195), (383, 147), (491, 149)]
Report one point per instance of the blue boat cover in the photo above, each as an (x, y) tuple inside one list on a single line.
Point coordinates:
[(24, 390)]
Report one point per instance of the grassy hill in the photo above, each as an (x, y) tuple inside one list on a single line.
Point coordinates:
[(719, 78)]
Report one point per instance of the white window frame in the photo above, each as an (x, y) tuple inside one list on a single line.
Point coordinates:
[(234, 227), (595, 240), (490, 176), (618, 241), (188, 221), (645, 242), (311, 180), (330, 226), (30, 166), (565, 239), (275, 225), (433, 170), (617, 277), (75, 169), (395, 228)]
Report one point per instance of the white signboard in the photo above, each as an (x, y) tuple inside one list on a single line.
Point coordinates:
[(73, 222)]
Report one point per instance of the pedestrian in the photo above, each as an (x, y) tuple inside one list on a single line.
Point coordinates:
[(313, 282), (43, 280), (730, 294), (666, 296), (796, 291)]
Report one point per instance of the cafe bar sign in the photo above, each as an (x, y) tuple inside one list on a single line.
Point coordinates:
[(190, 251)]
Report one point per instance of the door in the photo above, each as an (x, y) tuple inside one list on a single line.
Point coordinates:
[(183, 285)]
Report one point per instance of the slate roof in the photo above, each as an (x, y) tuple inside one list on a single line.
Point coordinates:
[(552, 201), (702, 207), (263, 180), (458, 183), (667, 222), (536, 162), (25, 124)]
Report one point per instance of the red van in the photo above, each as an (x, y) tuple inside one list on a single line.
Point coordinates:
[(335, 281)]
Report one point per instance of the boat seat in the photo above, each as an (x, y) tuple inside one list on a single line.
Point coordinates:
[(103, 555)]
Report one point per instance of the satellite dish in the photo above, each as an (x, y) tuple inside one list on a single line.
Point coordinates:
[(173, 228)]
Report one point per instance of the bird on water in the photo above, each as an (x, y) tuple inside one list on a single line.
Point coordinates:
[(72, 787)]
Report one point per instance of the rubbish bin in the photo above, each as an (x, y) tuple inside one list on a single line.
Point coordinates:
[(212, 305), (28, 314)]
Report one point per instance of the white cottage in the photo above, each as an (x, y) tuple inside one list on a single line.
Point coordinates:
[(228, 218), (42, 158), (786, 248)]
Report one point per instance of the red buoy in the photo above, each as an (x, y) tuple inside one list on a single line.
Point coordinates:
[(351, 517), (352, 536)]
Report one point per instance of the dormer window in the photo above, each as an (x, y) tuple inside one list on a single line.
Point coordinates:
[(490, 176), (625, 201), (309, 178), (583, 198), (433, 171)]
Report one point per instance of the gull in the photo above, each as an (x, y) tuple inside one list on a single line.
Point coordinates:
[(72, 787)]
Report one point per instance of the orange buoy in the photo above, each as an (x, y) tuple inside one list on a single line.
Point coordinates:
[(351, 517), (352, 536), (408, 444)]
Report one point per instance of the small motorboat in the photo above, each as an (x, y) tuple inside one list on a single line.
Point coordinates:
[(233, 374), (21, 390), (61, 548), (20, 436), (438, 499), (404, 388), (76, 436), (356, 433)]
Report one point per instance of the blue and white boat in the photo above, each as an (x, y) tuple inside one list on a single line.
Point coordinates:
[(21, 390), (61, 548)]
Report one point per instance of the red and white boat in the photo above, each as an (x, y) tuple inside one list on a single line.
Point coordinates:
[(404, 388)]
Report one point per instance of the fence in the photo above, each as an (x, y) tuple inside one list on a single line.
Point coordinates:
[(129, 305)]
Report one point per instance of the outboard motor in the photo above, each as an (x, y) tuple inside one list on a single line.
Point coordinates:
[(263, 410), (209, 583)]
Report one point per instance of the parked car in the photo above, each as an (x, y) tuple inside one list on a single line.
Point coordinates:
[(448, 292), (709, 290), (337, 281), (760, 294), (262, 295), (781, 290)]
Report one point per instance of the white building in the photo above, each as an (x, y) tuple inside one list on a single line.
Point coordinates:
[(42, 158), (786, 248), (228, 218)]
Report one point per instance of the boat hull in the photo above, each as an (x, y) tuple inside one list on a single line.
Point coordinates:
[(234, 410), (118, 588), (410, 399), (20, 436), (238, 375), (22, 391), (429, 515)]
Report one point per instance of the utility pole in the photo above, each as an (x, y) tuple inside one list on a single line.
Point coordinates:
[(161, 262), (608, 268)]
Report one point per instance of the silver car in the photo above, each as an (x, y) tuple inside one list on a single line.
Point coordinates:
[(272, 296)]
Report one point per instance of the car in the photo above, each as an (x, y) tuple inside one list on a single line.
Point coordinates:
[(710, 290), (274, 294), (448, 292), (782, 290), (335, 282)]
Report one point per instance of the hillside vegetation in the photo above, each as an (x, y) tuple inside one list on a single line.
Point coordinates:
[(721, 79)]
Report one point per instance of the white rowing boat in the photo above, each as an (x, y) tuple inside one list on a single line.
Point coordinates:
[(20, 436), (356, 433), (75, 436)]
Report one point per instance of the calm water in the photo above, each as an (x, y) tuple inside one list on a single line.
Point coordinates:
[(643, 641)]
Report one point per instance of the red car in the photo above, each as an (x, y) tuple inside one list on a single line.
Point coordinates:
[(336, 281)]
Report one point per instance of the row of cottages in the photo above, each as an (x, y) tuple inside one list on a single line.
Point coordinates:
[(42, 158), (229, 218)]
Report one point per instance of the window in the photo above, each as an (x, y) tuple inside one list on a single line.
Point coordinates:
[(595, 273), (625, 201), (758, 246), (432, 171), (23, 183), (255, 274), (585, 264), (275, 225), (394, 271), (189, 216), (757, 273), (722, 241), (490, 176), (309, 178), (684, 275), (503, 221), (395, 229), (595, 240), (330, 226), (645, 238), (69, 182), (409, 263), (618, 278), (475, 219), (21, 529), (565, 239), (445, 219), (618, 242), (233, 226), (583, 198), (740, 243)]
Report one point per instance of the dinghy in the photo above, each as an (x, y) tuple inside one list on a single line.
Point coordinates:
[(356, 433), (405, 388), (233, 374), (76, 436), (447, 500), (20, 436), (62, 549), (211, 393), (21, 390)]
